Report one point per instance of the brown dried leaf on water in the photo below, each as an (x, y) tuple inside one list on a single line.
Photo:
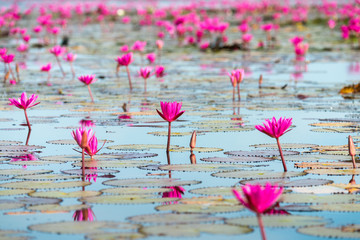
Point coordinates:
[(308, 182), (193, 230), (350, 89), (348, 231)]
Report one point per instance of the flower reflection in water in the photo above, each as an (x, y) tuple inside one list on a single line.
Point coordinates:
[(24, 158), (86, 214)]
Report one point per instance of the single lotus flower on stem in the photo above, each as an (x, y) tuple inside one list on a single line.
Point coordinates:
[(58, 51), (176, 192), (301, 49), (159, 45), (145, 73), (70, 58), (296, 40), (85, 214), (160, 71), (87, 80), (82, 137), (170, 111), (352, 151), (139, 46), (22, 48), (47, 68), (238, 75), (124, 49), (125, 60), (7, 59), (258, 199), (275, 129), (151, 57), (92, 148), (24, 103), (260, 80)]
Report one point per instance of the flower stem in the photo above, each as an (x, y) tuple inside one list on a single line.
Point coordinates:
[(281, 154), (61, 69), (28, 137), (238, 91), (92, 99), (145, 85), (27, 119), (168, 141), (83, 161), (353, 161), (11, 72), (233, 93), (72, 69), (128, 73), (261, 226)]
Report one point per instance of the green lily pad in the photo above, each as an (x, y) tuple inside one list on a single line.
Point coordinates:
[(13, 235), (72, 227), (129, 147), (73, 142), (338, 207), (116, 163), (193, 230), (33, 163), (196, 149), (285, 145), (58, 194), (11, 192), (315, 158), (44, 184), (308, 182), (278, 221), (126, 199), (149, 182), (22, 172), (257, 174), (215, 191), (41, 177), (7, 206), (333, 172), (134, 191), (115, 235), (173, 218), (348, 232), (324, 165), (237, 159), (317, 199), (57, 207), (259, 153), (19, 148), (202, 167)]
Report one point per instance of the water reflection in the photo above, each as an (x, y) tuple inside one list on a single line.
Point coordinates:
[(85, 214), (24, 158)]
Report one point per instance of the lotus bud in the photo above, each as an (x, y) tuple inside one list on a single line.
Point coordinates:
[(352, 151), (192, 158), (193, 140), (260, 80)]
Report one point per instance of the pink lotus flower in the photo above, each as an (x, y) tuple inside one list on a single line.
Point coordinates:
[(176, 192), (301, 49), (55, 30), (87, 123), (3, 51), (37, 29), (139, 46), (236, 77), (8, 58), (124, 48), (46, 68), (258, 198), (57, 50), (24, 103), (151, 57), (244, 27), (160, 71), (331, 23), (267, 27), (170, 111), (78, 136), (87, 80), (70, 57), (275, 129), (296, 40), (204, 45), (159, 44), (125, 60), (22, 48), (84, 215), (145, 72), (26, 38), (247, 37)]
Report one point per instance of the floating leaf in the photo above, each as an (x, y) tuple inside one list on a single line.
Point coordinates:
[(116, 164), (333, 124), (72, 227), (7, 206), (57, 207), (19, 148), (257, 174), (215, 191), (196, 149), (41, 177), (202, 167), (349, 231), (258, 153), (333, 172), (173, 218), (237, 159), (33, 163), (193, 230), (22, 172), (89, 171), (8, 142), (149, 182), (285, 145), (335, 130), (12, 235), (37, 201), (73, 142), (316, 199), (173, 134), (58, 194), (338, 207), (115, 235), (126, 199), (278, 221), (134, 191), (308, 182), (44, 184), (11, 192), (314, 158), (141, 147)]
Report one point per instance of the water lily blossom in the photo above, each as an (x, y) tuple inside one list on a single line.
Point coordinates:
[(170, 111), (125, 60), (24, 103), (258, 199), (47, 68), (87, 80), (70, 58), (58, 51), (145, 73), (236, 77), (275, 129)]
